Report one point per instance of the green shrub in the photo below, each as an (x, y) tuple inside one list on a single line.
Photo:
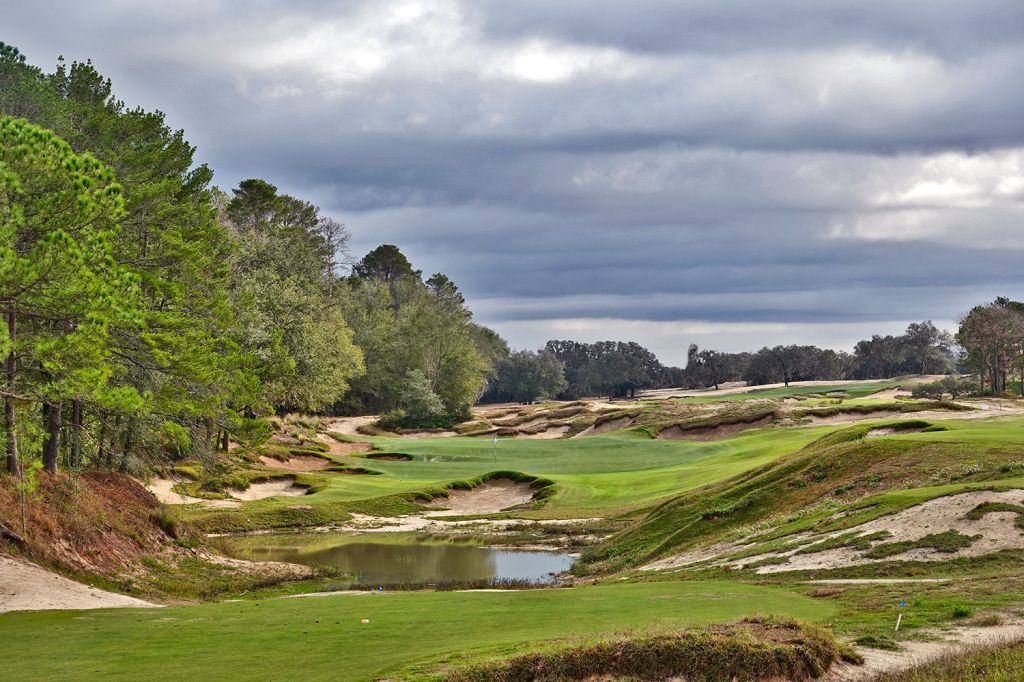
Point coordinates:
[(961, 611)]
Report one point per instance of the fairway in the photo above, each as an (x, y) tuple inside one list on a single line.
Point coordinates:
[(322, 637), (597, 475)]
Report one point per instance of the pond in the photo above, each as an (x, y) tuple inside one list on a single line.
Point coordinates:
[(389, 561)]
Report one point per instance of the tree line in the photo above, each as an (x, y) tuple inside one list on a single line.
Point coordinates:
[(147, 311)]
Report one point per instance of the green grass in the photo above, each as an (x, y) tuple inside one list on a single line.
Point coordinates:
[(949, 542), (322, 638), (601, 475)]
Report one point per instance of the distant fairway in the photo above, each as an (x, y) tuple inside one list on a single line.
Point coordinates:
[(593, 476), (322, 638)]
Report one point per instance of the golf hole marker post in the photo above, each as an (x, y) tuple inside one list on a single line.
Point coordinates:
[(899, 618)]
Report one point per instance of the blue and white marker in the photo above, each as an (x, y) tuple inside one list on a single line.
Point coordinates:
[(899, 618)]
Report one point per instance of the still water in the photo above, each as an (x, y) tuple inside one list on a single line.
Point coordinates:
[(386, 561)]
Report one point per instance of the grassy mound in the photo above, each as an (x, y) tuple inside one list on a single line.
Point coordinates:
[(755, 649), (801, 491)]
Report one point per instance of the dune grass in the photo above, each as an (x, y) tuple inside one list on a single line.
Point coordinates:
[(409, 634)]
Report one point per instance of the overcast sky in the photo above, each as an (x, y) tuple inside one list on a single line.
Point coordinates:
[(729, 173)]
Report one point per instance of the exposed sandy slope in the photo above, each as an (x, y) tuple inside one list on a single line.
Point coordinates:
[(938, 515), (879, 663), (488, 498), (934, 516), (296, 463), (27, 587)]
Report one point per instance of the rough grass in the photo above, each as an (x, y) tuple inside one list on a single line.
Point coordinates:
[(755, 649), (853, 540), (996, 664), (984, 508), (948, 542)]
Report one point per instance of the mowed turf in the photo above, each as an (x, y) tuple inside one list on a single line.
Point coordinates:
[(594, 475), (322, 637)]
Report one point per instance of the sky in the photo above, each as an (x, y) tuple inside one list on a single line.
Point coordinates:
[(733, 174)]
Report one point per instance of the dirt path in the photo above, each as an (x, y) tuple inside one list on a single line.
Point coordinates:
[(878, 663), (27, 587)]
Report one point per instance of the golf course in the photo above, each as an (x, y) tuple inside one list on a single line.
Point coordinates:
[(665, 536)]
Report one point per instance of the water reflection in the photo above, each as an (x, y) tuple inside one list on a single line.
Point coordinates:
[(401, 562)]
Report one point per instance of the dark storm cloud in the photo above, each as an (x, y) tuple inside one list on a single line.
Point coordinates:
[(948, 27), (742, 173)]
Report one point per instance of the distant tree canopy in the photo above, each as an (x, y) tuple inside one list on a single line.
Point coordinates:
[(613, 368), (922, 349), (992, 339), (526, 376)]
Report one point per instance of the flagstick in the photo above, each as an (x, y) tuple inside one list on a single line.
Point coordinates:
[(898, 620)]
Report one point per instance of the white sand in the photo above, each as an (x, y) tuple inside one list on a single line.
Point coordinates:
[(27, 587)]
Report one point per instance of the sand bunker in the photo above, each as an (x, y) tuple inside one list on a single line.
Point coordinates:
[(335, 447), (349, 425), (546, 434), (296, 463), (27, 587), (284, 487), (712, 433), (605, 427), (889, 394), (892, 431), (493, 496), (162, 490)]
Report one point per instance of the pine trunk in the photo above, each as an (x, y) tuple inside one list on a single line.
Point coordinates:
[(76, 433), (10, 418), (51, 447)]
